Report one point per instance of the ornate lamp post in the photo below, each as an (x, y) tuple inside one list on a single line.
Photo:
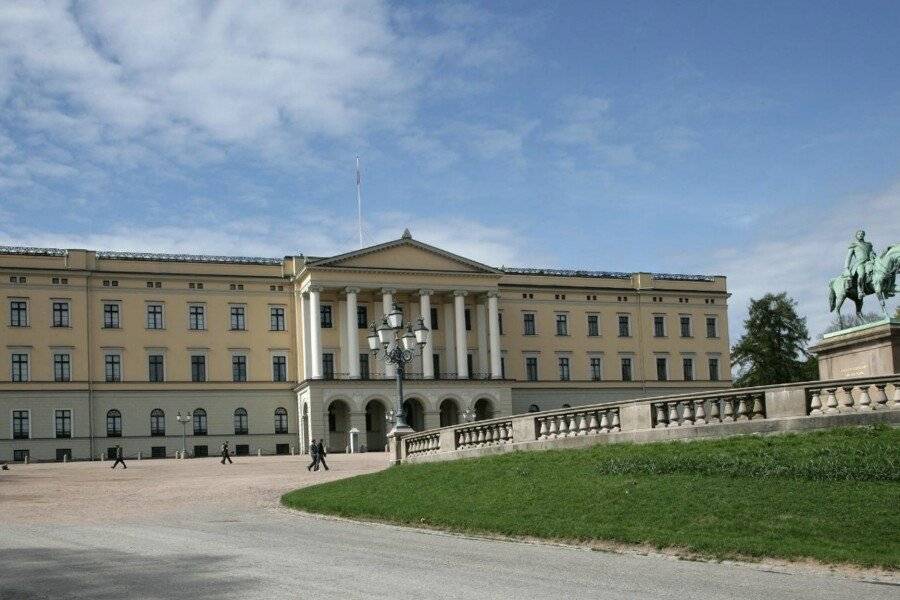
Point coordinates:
[(397, 348), (184, 420)]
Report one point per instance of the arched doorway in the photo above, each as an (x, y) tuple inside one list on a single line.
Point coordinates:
[(484, 409), (338, 426), (449, 412), (376, 426), (414, 413)]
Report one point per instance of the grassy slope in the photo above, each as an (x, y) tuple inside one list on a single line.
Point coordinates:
[(833, 496)]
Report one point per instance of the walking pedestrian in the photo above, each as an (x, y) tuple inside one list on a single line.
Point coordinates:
[(322, 455), (314, 454), (120, 457), (226, 455)]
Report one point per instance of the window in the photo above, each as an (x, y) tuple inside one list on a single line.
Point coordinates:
[(238, 318), (714, 369), (60, 314), (435, 324), (659, 326), (562, 324), (564, 368), (21, 427), (362, 317), (239, 367), (363, 366), (63, 454), (155, 364), (154, 316), (500, 322), (19, 367), (596, 369), (685, 326), (113, 423), (687, 367), (531, 368), (468, 317), (157, 422), (199, 423), (469, 362), (18, 313), (19, 455), (113, 367), (276, 318), (198, 368), (328, 365), (279, 368), (157, 451), (528, 321), (626, 369), (624, 326), (111, 316), (62, 367), (196, 317), (241, 425), (281, 420), (711, 330), (662, 368), (201, 451), (593, 325), (63, 423), (436, 364), (325, 315)]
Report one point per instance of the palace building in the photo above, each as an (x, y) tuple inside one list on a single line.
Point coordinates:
[(105, 348)]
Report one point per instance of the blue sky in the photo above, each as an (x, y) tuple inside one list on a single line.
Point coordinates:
[(725, 137)]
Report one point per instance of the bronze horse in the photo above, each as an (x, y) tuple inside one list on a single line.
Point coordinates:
[(880, 280)]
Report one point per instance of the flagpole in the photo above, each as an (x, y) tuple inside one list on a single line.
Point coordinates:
[(359, 202)]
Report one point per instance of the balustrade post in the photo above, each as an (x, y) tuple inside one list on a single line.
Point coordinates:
[(728, 409), (700, 412), (847, 398), (582, 424), (880, 396), (542, 433), (616, 423), (660, 415), (815, 403), (831, 401), (758, 411), (741, 412), (714, 412), (563, 426), (593, 425), (897, 394), (673, 414), (865, 403), (604, 423), (552, 431), (687, 412)]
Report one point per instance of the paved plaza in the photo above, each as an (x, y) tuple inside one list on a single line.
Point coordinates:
[(197, 529)]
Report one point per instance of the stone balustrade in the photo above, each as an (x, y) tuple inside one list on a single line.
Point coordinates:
[(765, 409)]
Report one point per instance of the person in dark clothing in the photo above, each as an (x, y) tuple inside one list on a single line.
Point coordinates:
[(226, 455), (120, 457), (314, 454), (322, 455)]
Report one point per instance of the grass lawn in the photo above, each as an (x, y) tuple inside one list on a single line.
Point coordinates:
[(833, 496)]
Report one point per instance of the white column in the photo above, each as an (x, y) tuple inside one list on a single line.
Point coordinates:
[(387, 304), (428, 348), (462, 365), (304, 328), (494, 326), (449, 339), (352, 333), (482, 327), (315, 332)]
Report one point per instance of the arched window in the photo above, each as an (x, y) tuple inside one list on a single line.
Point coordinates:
[(281, 420), (157, 422), (113, 423), (483, 409), (199, 421), (240, 421), (534, 408)]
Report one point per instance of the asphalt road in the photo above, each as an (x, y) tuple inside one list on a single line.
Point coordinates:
[(254, 550)]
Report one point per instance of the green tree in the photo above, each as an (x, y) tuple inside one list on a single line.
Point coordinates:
[(773, 347)]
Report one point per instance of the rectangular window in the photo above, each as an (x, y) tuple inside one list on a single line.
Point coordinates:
[(111, 316), (21, 427), (624, 326), (362, 317), (685, 327), (276, 318), (238, 318), (711, 329), (596, 369), (435, 324), (468, 318), (659, 326), (364, 366), (19, 367), (279, 368), (155, 364), (20, 454), (328, 365), (469, 362), (154, 316), (18, 313), (528, 321), (325, 314), (562, 324), (239, 367), (113, 363), (500, 322), (198, 368), (62, 367), (626, 369), (531, 368), (196, 318), (687, 367), (714, 369), (593, 325), (662, 368), (60, 314), (564, 368), (436, 364), (63, 420)]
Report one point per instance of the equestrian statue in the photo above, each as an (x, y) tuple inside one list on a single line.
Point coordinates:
[(865, 273)]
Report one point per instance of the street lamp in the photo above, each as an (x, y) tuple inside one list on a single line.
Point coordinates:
[(397, 347), (184, 420)]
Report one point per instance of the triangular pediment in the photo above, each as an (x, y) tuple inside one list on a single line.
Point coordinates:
[(404, 254)]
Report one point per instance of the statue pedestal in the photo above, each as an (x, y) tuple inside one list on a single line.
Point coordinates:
[(868, 350)]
